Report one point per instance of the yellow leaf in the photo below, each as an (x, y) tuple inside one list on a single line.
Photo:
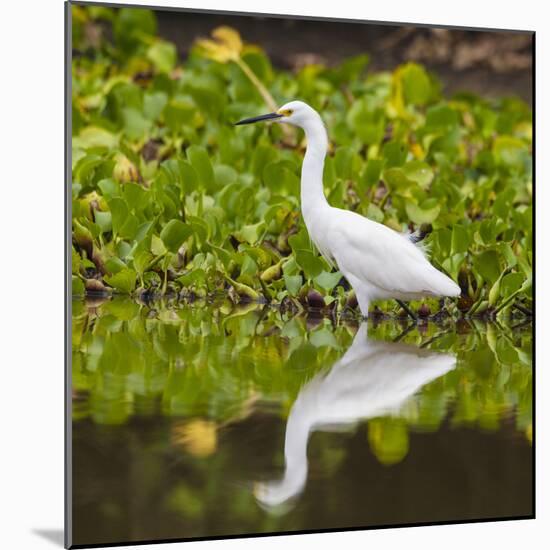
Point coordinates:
[(226, 46), (125, 170), (230, 37)]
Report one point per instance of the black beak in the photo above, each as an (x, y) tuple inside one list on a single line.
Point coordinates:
[(269, 116)]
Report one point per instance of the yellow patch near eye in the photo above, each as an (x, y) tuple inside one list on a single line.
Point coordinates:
[(285, 112)]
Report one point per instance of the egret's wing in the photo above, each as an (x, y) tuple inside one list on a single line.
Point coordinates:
[(376, 254)]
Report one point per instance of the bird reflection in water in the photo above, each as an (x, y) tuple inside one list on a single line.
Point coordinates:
[(373, 378)]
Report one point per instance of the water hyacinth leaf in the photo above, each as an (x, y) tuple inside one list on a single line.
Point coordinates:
[(114, 265), (174, 234), (123, 281), (94, 136), (250, 233), (373, 171), (119, 214), (394, 153), (281, 179), (416, 84), (193, 278), (163, 55), (419, 172), (135, 196), (488, 265), (189, 177), (157, 246), (179, 112), (441, 117), (460, 239), (310, 263), (109, 187), (510, 283), (141, 261), (131, 25), (327, 281), (249, 266), (135, 124), (224, 175), (103, 220), (369, 124), (153, 104), (509, 151), (427, 212), (300, 241), (78, 288), (375, 213), (200, 161)]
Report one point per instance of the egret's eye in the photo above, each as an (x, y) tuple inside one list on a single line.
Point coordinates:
[(286, 112)]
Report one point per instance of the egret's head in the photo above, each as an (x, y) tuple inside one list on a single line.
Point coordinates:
[(296, 113)]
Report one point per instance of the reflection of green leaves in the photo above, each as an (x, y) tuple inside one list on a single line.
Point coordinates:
[(389, 440), (135, 346)]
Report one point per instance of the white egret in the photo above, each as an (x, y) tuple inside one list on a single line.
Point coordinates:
[(378, 262), (372, 379)]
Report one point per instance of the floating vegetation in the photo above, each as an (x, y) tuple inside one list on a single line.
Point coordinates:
[(168, 199)]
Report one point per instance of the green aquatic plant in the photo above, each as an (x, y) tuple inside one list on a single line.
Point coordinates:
[(168, 199)]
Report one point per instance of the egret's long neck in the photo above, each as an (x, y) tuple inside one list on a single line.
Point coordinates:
[(312, 195)]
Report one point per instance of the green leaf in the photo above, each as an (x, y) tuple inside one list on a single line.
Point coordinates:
[(174, 234), (327, 281), (395, 154), (119, 214), (310, 263), (123, 281), (250, 233), (427, 212), (103, 219), (293, 284), (460, 240), (417, 88), (509, 151), (200, 161), (135, 124), (77, 286), (419, 172), (163, 55), (179, 112), (488, 265), (153, 104)]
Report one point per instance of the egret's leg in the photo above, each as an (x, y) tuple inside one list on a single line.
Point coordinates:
[(363, 301), (406, 308)]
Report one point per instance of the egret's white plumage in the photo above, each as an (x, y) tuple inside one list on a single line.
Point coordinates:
[(378, 262)]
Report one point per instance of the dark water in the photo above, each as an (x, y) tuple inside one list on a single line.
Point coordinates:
[(196, 422)]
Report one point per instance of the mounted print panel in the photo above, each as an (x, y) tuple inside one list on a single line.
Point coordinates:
[(301, 275)]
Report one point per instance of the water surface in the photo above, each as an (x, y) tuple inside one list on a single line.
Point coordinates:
[(197, 421)]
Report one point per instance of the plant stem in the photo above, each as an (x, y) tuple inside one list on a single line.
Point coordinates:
[(266, 96), (263, 91)]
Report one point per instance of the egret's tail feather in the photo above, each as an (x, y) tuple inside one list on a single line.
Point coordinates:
[(444, 286)]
